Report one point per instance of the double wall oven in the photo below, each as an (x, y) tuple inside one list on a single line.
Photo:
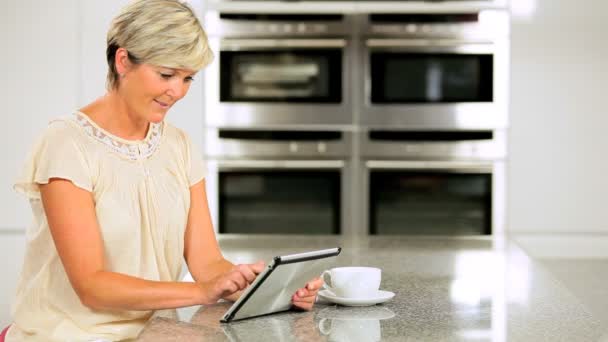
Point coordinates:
[(433, 119), (380, 122)]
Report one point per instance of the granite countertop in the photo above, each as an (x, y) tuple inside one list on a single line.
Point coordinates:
[(456, 289)]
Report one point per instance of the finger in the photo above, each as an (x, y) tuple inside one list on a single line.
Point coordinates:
[(247, 272), (309, 299), (303, 292), (315, 284), (313, 293), (228, 287), (257, 267), (238, 278), (304, 296)]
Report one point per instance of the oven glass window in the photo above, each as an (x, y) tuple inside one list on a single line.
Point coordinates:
[(281, 76), (285, 202), (430, 203), (430, 78)]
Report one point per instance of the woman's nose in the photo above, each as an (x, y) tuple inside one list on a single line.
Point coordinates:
[(177, 89)]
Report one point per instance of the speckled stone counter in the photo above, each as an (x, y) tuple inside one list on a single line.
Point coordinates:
[(447, 289)]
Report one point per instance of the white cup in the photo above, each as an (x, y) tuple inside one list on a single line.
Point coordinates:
[(353, 282)]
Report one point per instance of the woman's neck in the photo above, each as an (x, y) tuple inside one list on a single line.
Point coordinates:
[(112, 113)]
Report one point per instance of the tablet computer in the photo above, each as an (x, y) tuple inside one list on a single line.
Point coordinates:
[(272, 289)]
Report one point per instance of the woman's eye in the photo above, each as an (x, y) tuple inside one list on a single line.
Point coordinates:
[(166, 76), (189, 79)]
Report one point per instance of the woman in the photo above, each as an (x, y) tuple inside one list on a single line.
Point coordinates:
[(118, 196)]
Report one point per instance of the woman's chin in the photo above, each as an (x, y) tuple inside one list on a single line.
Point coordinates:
[(157, 117)]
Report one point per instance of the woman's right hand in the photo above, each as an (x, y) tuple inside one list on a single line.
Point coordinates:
[(226, 284)]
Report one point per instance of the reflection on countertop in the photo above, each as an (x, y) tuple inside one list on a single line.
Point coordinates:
[(353, 323), (456, 289)]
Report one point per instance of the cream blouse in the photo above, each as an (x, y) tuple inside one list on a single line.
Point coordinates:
[(141, 192)]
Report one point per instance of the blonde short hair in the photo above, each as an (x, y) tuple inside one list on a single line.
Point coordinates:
[(165, 33)]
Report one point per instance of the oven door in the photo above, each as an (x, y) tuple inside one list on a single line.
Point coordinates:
[(434, 84), (261, 82), (282, 197), (430, 197)]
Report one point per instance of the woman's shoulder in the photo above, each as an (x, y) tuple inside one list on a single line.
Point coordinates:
[(180, 140), (172, 130), (61, 136), (175, 134), (58, 153), (62, 128)]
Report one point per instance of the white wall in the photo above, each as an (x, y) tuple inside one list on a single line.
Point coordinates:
[(53, 61), (38, 58), (558, 173)]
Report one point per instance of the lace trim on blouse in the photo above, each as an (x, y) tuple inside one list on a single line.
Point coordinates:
[(133, 150)]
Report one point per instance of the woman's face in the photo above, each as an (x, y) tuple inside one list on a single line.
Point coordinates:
[(149, 91)]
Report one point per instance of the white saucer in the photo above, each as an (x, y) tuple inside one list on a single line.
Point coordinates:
[(379, 297)]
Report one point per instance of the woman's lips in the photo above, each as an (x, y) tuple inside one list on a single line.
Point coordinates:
[(162, 104)]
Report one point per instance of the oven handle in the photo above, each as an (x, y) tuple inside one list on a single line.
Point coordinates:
[(281, 164), (476, 46), (453, 166), (248, 44)]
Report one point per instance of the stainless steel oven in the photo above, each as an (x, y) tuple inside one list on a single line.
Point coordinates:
[(279, 182), (279, 70), (433, 182), (435, 70), (357, 117)]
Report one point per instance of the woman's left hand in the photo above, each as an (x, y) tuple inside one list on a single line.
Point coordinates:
[(305, 297)]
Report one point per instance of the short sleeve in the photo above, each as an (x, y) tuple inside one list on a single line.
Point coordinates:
[(57, 154), (197, 169)]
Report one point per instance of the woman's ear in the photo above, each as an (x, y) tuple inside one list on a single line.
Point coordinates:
[(122, 62)]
